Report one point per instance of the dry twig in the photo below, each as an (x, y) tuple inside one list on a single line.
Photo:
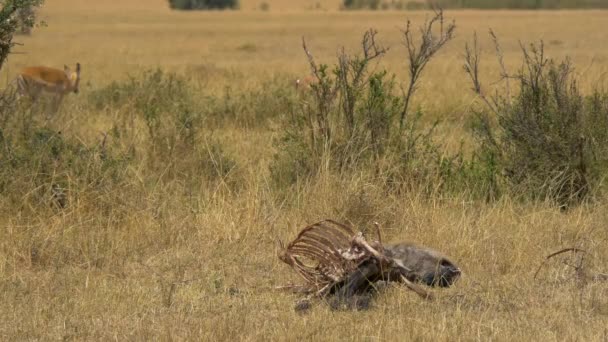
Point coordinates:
[(418, 57), (561, 251)]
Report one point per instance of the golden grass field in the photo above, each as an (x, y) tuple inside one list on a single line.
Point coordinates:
[(167, 261)]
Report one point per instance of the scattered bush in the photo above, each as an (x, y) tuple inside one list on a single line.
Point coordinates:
[(517, 4), (548, 140), (356, 119), (165, 104), (43, 168), (477, 4), (203, 4), (15, 16), (250, 108)]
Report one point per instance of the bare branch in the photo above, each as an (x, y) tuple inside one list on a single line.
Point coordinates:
[(503, 70), (311, 61), (418, 57), (471, 67), (561, 251), (371, 49)]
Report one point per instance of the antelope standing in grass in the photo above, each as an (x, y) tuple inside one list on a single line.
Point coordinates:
[(304, 84), (32, 81)]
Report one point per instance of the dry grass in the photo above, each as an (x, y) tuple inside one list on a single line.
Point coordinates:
[(221, 48), (165, 261)]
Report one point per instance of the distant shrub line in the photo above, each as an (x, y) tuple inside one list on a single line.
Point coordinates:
[(519, 4), (203, 4), (473, 4)]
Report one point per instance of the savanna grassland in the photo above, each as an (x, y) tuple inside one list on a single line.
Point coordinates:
[(149, 207)]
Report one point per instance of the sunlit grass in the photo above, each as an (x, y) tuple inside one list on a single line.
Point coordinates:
[(159, 257)]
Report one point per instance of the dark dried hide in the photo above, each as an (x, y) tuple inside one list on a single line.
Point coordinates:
[(423, 265)]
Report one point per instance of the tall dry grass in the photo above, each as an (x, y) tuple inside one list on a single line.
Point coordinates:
[(161, 243)]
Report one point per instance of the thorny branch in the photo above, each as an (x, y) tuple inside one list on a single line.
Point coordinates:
[(472, 56), (311, 61), (352, 74), (351, 78), (324, 92), (504, 75), (371, 49), (418, 57), (561, 251)]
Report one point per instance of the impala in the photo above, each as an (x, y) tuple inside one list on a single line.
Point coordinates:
[(32, 81), (304, 84)]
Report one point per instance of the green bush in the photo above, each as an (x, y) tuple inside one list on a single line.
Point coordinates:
[(357, 119), (164, 101), (166, 104), (15, 16), (40, 167), (203, 4), (548, 141), (415, 5), (249, 108), (158, 131)]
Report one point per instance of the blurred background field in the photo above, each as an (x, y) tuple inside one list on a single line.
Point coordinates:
[(222, 47), (181, 166)]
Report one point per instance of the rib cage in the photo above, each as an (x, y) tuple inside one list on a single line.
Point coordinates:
[(325, 253)]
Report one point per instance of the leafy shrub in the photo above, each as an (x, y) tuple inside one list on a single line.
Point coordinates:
[(203, 4), (164, 101), (250, 108), (165, 104), (549, 139), (356, 119), (43, 167), (15, 16)]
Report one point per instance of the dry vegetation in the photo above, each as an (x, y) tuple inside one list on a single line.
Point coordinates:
[(173, 240)]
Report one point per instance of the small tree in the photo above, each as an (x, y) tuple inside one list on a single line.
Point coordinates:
[(13, 19), (25, 16), (419, 56)]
